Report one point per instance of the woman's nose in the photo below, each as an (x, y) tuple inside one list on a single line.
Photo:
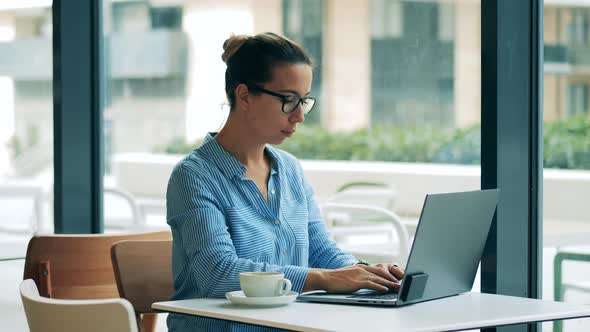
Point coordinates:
[(297, 115)]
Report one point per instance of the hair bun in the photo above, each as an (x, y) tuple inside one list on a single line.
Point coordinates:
[(231, 46)]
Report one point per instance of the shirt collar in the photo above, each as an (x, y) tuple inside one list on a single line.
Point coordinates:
[(274, 158), (228, 164)]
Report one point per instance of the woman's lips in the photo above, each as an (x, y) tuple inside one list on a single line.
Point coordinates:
[(288, 133)]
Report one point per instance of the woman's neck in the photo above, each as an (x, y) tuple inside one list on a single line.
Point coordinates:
[(240, 144)]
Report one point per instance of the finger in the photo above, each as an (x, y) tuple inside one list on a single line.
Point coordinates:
[(383, 272), (374, 286), (383, 282), (397, 271), (392, 269)]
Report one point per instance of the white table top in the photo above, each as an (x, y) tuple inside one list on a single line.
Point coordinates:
[(466, 311)]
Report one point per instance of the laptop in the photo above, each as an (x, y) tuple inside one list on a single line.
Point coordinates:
[(445, 255)]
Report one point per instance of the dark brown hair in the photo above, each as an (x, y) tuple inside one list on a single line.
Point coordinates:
[(250, 59)]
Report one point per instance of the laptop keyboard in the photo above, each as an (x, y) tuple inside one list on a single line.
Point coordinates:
[(377, 296)]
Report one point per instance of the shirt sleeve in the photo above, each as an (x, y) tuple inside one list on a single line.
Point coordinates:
[(323, 251), (211, 266)]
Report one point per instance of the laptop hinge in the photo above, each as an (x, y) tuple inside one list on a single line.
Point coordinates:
[(414, 286)]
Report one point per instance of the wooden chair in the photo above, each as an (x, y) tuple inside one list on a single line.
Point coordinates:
[(77, 267), (143, 270), (52, 315)]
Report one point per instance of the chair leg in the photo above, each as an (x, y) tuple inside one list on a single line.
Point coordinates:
[(149, 322), (139, 322)]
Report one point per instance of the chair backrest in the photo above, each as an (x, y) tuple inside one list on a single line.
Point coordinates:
[(371, 213), (53, 315), (143, 270), (365, 193), (114, 195), (77, 266)]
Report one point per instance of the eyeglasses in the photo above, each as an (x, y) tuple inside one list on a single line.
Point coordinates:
[(290, 102)]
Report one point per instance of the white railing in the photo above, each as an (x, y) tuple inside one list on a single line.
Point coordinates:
[(566, 192)]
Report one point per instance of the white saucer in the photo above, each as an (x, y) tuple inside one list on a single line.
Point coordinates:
[(238, 297)]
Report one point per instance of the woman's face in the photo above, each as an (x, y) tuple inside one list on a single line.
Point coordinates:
[(265, 114)]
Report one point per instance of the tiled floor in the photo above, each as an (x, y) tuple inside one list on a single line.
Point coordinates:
[(12, 316)]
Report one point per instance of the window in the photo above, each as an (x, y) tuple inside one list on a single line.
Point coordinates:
[(578, 98), (446, 21), (26, 120), (566, 153), (26, 141), (302, 22), (398, 85), (129, 16), (579, 26), (166, 18), (410, 73), (386, 19)]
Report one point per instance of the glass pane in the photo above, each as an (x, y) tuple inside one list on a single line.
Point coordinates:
[(566, 138), (26, 142), (398, 112), (177, 92), (146, 106)]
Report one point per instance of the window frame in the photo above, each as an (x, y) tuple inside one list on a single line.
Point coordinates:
[(78, 83), (512, 151), (512, 76)]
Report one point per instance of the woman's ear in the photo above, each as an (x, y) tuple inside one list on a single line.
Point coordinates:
[(242, 94)]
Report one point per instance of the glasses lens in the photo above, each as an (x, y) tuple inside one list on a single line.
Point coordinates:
[(290, 104), (307, 104)]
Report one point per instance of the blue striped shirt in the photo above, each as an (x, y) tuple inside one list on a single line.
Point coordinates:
[(222, 225)]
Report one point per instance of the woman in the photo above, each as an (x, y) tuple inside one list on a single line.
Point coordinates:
[(237, 204)]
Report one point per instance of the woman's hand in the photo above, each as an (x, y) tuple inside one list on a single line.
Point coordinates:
[(394, 269), (379, 277)]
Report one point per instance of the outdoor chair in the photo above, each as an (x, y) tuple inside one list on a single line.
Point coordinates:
[(377, 194), (121, 209), (52, 315), (376, 221), (568, 253), (365, 193), (120, 197)]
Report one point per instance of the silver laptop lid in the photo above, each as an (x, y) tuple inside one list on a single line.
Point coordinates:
[(448, 244)]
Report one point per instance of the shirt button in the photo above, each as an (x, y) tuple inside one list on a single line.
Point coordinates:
[(277, 222), (284, 252), (272, 191)]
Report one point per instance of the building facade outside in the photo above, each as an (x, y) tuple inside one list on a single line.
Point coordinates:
[(378, 62)]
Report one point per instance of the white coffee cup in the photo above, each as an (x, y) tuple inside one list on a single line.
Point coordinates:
[(264, 284)]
